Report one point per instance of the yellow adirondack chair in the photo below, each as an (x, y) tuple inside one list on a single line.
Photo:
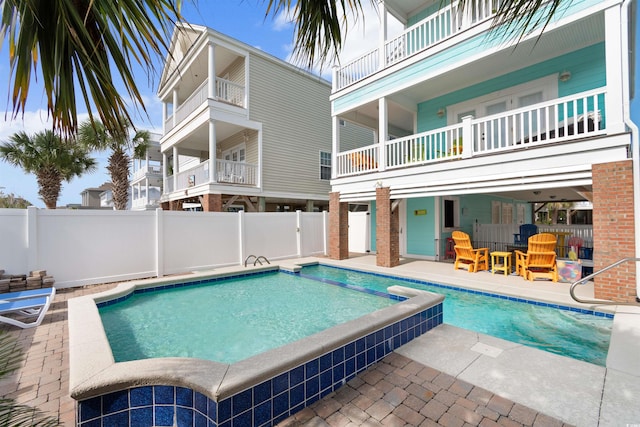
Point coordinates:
[(540, 259), (472, 259)]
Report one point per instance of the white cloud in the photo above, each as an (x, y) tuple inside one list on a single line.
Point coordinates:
[(31, 122), (362, 36), (283, 21)]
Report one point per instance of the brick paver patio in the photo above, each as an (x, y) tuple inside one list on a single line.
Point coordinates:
[(396, 392)]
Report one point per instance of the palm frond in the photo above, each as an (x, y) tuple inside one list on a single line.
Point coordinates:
[(320, 26), (88, 44)]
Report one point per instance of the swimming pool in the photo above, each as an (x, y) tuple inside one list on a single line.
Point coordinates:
[(260, 390), (244, 316), (580, 334)]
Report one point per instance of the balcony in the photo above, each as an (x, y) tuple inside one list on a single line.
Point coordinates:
[(227, 172), (145, 170), (553, 122), (226, 91), (433, 30)]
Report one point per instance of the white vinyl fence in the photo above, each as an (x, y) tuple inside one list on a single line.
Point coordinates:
[(500, 235), (83, 247)]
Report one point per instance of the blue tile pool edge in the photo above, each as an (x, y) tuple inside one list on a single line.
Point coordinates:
[(473, 291), (112, 398), (266, 403)]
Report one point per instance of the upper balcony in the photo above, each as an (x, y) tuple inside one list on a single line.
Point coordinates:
[(552, 123), (225, 91), (203, 70), (433, 30)]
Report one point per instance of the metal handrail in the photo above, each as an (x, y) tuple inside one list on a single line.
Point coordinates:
[(589, 277)]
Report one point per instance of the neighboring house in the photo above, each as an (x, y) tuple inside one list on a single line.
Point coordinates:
[(242, 129), (473, 126), (94, 198), (146, 181)]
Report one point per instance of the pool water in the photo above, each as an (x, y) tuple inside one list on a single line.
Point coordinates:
[(229, 320), (569, 333)]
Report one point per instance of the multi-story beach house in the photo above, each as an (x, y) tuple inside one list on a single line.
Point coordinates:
[(475, 124), (146, 177), (242, 129)]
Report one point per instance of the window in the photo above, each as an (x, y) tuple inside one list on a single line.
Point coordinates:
[(451, 215), (325, 165)]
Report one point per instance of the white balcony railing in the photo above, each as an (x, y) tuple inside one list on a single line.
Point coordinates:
[(236, 172), (564, 119), (228, 172), (434, 29), (145, 170), (230, 92), (144, 202), (226, 91)]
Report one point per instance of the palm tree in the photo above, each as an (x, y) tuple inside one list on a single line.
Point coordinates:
[(50, 158), (96, 136), (82, 44), (11, 413), (320, 26)]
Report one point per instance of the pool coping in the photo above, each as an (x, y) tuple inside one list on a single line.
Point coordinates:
[(94, 372)]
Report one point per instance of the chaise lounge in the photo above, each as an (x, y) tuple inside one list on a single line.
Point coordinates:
[(25, 309)]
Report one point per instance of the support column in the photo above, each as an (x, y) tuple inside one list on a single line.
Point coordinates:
[(387, 230), (211, 71), (614, 230), (338, 227), (176, 168), (175, 108), (164, 118), (212, 203), (212, 151), (335, 146), (613, 58), (309, 207), (382, 36), (383, 133)]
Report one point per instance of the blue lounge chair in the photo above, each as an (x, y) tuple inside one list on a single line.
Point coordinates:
[(526, 231), (19, 308)]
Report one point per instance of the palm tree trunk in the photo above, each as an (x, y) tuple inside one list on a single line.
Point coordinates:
[(50, 183), (119, 170)]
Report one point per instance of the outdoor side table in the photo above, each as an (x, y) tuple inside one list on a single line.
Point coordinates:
[(501, 261)]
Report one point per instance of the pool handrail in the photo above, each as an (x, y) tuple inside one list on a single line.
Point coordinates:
[(594, 274)]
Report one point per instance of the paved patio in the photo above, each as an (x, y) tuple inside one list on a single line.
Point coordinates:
[(449, 376)]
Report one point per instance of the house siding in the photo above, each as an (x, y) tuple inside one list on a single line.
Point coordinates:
[(587, 68), (295, 112), (353, 136)]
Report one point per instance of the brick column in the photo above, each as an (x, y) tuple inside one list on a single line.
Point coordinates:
[(211, 202), (614, 230), (176, 205), (387, 230), (338, 227)]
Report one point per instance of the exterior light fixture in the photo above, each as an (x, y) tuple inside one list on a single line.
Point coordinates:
[(565, 76), (441, 112)]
